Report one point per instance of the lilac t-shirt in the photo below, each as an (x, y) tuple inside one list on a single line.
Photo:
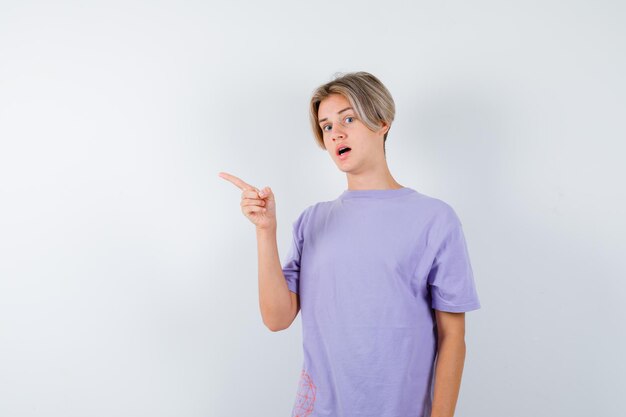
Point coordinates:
[(369, 268)]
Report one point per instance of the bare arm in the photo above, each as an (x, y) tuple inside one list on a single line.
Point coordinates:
[(450, 361), (279, 306)]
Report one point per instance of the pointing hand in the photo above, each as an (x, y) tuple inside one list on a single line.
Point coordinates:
[(257, 205)]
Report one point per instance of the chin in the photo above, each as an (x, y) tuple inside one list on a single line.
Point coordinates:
[(344, 168)]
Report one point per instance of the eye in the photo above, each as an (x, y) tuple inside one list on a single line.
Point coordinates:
[(325, 126)]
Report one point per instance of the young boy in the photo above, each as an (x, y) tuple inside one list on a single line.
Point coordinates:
[(381, 274)]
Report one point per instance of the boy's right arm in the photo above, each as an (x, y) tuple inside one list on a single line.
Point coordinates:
[(279, 306)]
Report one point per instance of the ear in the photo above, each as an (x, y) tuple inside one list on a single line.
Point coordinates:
[(384, 128)]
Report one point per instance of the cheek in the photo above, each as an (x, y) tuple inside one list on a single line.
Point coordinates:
[(328, 144)]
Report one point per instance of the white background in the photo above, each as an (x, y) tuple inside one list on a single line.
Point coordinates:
[(128, 274)]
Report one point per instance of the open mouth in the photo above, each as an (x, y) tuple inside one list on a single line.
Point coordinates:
[(344, 151)]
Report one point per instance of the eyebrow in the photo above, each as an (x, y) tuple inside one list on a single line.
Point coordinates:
[(340, 111)]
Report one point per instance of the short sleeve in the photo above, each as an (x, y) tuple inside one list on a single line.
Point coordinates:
[(291, 265), (451, 279)]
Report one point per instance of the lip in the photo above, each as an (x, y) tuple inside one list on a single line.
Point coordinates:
[(343, 145), (344, 155)]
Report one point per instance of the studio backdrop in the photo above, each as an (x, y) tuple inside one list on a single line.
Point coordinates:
[(128, 274)]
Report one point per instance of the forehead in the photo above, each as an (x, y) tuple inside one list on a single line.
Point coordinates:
[(331, 104)]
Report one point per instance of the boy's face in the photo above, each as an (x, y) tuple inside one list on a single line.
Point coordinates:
[(341, 127)]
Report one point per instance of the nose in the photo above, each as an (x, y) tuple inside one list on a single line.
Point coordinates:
[(338, 133)]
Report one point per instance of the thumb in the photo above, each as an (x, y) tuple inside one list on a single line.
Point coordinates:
[(266, 193)]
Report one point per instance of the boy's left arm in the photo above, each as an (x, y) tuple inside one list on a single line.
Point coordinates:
[(450, 360)]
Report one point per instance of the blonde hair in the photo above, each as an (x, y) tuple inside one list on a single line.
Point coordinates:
[(370, 99)]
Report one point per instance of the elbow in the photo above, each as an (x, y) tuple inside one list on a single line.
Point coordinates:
[(275, 327), (277, 322), (274, 324)]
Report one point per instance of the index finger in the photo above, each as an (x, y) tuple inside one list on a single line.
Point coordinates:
[(237, 181)]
